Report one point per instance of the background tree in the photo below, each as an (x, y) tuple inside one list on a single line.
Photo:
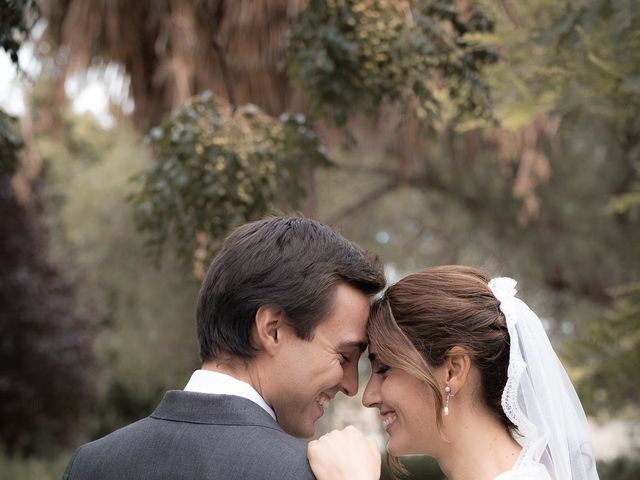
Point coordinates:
[(17, 19), (588, 70), (423, 48), (45, 342), (511, 197), (143, 315), (216, 169), (233, 48), (45, 351), (526, 166)]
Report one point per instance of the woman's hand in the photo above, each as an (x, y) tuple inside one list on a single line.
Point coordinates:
[(344, 454)]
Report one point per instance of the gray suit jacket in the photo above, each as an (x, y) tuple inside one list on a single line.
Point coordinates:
[(195, 436)]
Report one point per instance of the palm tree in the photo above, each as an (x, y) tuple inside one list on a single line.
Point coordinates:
[(173, 49)]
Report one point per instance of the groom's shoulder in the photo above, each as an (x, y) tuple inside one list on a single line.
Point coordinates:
[(274, 454), (232, 451)]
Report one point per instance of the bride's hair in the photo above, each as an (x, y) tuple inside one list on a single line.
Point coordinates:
[(417, 321)]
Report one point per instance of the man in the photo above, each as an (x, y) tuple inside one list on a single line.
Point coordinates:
[(282, 319)]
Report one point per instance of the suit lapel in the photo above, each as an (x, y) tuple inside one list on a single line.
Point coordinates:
[(192, 407)]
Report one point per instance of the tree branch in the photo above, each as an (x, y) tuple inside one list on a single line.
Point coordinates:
[(363, 201), (224, 67), (510, 13), (421, 182), (225, 74)]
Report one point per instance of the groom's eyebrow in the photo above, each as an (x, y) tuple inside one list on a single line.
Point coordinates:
[(360, 346)]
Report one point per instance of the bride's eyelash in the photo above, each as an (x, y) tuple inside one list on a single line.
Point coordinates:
[(382, 369)]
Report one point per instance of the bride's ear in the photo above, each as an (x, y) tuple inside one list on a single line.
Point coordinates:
[(458, 365)]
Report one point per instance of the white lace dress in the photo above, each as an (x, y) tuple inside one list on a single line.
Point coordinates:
[(525, 468), (534, 471)]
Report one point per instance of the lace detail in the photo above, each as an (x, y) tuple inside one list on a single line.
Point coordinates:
[(504, 290), (509, 401), (526, 431)]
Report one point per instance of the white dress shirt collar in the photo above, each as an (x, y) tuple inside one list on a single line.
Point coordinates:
[(206, 381)]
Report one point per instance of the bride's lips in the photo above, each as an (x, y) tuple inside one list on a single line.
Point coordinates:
[(388, 418)]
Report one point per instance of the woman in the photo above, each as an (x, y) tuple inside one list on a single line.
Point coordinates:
[(463, 371)]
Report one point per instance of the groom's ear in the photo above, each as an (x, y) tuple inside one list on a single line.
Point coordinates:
[(458, 364), (269, 323)]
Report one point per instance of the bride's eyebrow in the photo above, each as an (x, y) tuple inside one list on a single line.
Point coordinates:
[(372, 357)]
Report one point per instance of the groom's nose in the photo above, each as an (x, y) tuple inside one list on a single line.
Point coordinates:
[(349, 383)]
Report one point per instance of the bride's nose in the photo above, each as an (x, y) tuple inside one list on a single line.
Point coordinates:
[(371, 396)]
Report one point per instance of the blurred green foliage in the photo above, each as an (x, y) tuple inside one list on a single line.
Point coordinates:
[(18, 17), (33, 468), (46, 374), (215, 170), (621, 468), (353, 56), (10, 144), (578, 56), (608, 352), (144, 317), (581, 61), (567, 135)]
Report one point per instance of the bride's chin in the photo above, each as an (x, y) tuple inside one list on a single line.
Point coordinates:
[(390, 449), (397, 451)]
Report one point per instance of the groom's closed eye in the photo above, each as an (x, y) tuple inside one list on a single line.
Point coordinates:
[(350, 351), (350, 356), (352, 347)]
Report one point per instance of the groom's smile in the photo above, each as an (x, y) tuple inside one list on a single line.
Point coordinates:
[(323, 401)]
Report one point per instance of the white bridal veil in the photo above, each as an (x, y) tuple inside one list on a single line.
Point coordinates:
[(539, 397)]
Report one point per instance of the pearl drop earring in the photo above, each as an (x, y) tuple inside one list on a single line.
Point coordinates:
[(447, 391)]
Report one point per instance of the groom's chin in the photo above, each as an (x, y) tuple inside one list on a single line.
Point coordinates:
[(299, 429)]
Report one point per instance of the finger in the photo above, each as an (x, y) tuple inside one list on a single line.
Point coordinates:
[(373, 444), (314, 447), (351, 429)]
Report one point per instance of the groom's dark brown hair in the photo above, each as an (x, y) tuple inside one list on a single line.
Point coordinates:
[(293, 263)]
